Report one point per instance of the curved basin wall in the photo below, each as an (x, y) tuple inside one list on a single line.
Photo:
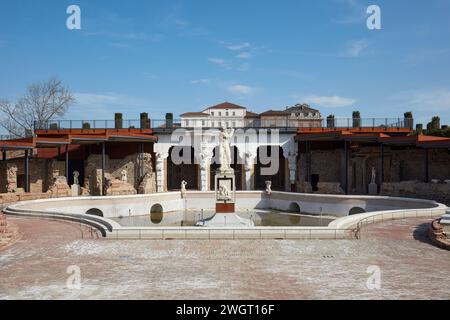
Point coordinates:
[(136, 205)]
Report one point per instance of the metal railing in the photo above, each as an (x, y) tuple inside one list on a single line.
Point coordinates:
[(276, 122)]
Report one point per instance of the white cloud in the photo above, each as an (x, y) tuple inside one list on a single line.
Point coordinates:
[(242, 89), (201, 81), (220, 62), (237, 47), (355, 48), (427, 100), (328, 101), (244, 55)]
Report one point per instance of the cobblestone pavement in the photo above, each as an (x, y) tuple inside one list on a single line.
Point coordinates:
[(35, 267)]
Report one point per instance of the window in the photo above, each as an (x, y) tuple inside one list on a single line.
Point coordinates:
[(212, 113), (227, 124), (220, 113), (187, 123), (220, 123), (234, 124), (203, 123), (227, 114), (212, 124), (234, 113)]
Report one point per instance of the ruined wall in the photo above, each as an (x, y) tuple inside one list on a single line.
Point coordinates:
[(400, 164), (143, 181), (12, 175), (439, 192), (328, 164)]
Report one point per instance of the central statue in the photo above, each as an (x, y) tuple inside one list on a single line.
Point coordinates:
[(225, 152)]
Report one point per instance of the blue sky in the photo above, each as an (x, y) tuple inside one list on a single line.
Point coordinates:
[(177, 56)]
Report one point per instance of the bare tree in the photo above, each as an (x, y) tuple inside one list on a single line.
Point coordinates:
[(41, 102)]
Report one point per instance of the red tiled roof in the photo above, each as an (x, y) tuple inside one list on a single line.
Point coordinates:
[(250, 114), (226, 105), (194, 114), (274, 113)]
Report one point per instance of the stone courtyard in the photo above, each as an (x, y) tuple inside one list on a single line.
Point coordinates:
[(34, 267)]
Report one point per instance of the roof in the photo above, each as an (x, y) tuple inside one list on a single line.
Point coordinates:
[(194, 114), (301, 108), (56, 138), (388, 137), (226, 105), (250, 114), (274, 113)]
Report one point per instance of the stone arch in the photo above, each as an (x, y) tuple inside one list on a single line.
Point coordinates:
[(279, 178), (356, 210), (156, 208), (156, 213), (184, 171), (294, 207), (236, 164), (95, 212)]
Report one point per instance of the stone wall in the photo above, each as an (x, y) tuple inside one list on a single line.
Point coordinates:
[(326, 163), (12, 175), (119, 170), (44, 173), (439, 192), (400, 164)]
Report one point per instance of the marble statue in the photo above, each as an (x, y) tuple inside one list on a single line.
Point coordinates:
[(124, 175), (76, 174), (224, 193), (268, 187), (183, 188), (374, 173), (248, 161), (225, 152)]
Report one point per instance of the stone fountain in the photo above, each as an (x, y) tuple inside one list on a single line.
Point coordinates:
[(225, 187)]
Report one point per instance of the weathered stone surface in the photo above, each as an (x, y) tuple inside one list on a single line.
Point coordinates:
[(127, 169), (439, 192), (147, 184), (323, 187), (11, 178), (60, 188), (116, 187)]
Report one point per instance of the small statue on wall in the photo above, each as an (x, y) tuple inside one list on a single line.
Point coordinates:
[(183, 189), (124, 175), (76, 175), (268, 187), (374, 174)]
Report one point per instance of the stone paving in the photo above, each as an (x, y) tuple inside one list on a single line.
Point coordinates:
[(35, 267)]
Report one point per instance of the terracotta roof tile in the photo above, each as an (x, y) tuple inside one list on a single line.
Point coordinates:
[(226, 105)]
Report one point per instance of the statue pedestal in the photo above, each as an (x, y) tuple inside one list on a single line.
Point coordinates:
[(373, 189), (225, 186), (75, 190)]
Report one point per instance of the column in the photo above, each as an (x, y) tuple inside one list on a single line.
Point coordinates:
[(161, 158), (27, 172), (427, 170), (381, 165), (249, 169), (290, 153), (346, 167), (205, 164), (103, 191), (67, 163), (292, 165)]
